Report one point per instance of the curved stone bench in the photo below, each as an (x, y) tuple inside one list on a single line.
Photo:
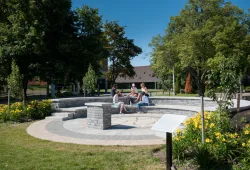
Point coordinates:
[(80, 101), (163, 109), (174, 105)]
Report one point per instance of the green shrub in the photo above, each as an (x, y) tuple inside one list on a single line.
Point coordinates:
[(223, 144), (19, 113), (39, 110), (4, 116)]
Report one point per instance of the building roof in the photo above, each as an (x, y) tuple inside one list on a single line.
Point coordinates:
[(143, 74)]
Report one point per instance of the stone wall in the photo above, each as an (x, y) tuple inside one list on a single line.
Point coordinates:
[(80, 101)]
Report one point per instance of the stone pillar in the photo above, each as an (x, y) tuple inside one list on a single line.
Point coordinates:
[(99, 115)]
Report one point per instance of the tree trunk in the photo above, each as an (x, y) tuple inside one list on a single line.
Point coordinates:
[(25, 85), (47, 88), (201, 88)]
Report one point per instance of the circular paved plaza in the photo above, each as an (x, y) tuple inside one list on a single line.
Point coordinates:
[(127, 129)]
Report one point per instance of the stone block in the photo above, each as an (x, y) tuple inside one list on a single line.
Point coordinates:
[(98, 115)]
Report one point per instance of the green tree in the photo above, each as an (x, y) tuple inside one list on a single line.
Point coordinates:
[(59, 40), (166, 83), (89, 80), (37, 34), (121, 51), (202, 31), (15, 82), (20, 37), (90, 42)]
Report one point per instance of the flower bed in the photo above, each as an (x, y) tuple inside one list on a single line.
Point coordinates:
[(33, 110), (223, 145)]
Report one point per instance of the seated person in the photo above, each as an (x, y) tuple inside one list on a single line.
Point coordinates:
[(120, 94), (118, 104), (113, 90), (134, 91), (144, 102), (143, 89)]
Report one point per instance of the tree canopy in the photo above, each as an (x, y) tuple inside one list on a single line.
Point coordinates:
[(48, 39), (121, 51), (205, 31)]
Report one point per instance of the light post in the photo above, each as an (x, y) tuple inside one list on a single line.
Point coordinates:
[(173, 83), (8, 88)]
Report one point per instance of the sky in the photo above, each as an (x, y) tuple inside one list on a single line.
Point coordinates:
[(143, 19)]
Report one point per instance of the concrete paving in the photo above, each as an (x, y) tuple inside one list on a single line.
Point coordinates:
[(126, 130)]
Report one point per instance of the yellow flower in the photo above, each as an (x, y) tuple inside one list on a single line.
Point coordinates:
[(211, 125), (247, 125), (200, 126), (243, 144), (178, 131), (176, 138), (218, 134), (246, 132), (248, 141), (231, 136), (208, 140), (223, 140)]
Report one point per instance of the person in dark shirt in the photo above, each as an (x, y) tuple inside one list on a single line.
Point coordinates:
[(113, 90)]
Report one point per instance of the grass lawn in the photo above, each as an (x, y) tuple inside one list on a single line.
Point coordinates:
[(18, 150)]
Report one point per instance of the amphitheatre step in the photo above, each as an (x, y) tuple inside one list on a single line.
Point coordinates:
[(61, 116), (65, 114), (71, 109)]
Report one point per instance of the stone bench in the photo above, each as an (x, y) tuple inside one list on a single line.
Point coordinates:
[(80, 101), (162, 109)]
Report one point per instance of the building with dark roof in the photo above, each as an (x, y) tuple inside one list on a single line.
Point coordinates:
[(144, 74)]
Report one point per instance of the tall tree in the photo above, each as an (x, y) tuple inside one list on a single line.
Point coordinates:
[(121, 51), (90, 42), (20, 36), (57, 22), (205, 29)]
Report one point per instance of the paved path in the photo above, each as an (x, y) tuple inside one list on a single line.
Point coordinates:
[(126, 130)]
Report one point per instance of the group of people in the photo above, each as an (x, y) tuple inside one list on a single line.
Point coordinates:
[(141, 100)]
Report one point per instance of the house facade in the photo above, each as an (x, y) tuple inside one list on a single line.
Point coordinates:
[(144, 74)]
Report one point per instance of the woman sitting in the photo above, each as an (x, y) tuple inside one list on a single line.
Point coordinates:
[(144, 101), (118, 104), (134, 91), (143, 89)]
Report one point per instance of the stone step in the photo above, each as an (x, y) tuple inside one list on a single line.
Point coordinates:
[(65, 114), (61, 116), (71, 109)]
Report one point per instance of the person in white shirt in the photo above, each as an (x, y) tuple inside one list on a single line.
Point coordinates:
[(118, 104), (144, 102), (134, 91), (143, 89)]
